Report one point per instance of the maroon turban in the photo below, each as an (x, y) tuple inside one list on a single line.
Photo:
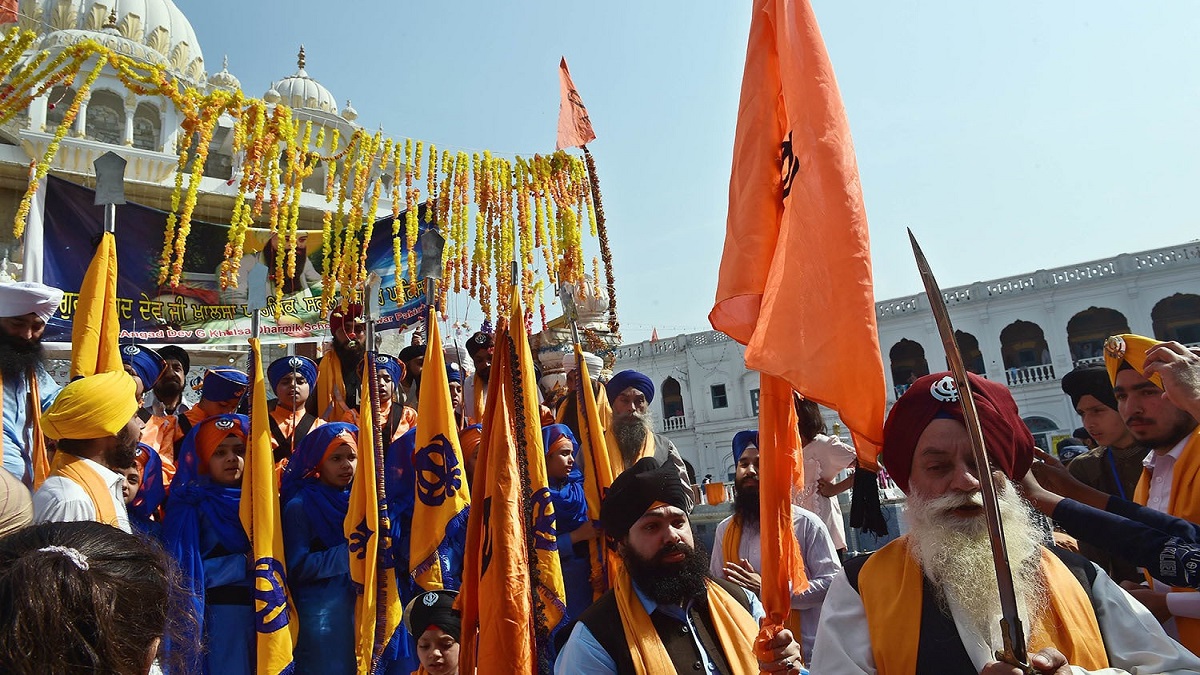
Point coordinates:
[(338, 318), (1008, 441)]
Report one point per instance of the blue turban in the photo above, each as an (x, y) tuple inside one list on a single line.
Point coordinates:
[(146, 363), (299, 364), (743, 440), (391, 365), (224, 384), (626, 379), (454, 372)]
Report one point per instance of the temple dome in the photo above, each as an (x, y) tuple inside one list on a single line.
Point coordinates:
[(301, 91), (225, 79)]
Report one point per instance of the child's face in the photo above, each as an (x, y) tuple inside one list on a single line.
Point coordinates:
[(129, 488)]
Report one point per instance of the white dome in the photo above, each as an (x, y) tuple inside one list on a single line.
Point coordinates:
[(156, 25), (301, 91), (225, 79)]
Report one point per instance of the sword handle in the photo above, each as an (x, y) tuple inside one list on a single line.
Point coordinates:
[(1007, 657)]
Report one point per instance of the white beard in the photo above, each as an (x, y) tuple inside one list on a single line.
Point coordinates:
[(956, 556)]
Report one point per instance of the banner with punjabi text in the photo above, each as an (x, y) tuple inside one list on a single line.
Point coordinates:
[(199, 310)]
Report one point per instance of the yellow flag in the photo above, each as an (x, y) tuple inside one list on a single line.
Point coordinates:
[(597, 470), (442, 497), (377, 610), (274, 621), (96, 326), (512, 597)]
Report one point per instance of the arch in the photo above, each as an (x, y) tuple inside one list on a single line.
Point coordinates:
[(1087, 331), (968, 346), (907, 362), (672, 399), (1177, 317), (105, 118), (315, 183), (60, 97), (147, 127), (1023, 344), (1042, 428)]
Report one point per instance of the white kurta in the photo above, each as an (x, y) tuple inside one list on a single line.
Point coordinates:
[(1135, 641), (824, 458), (62, 500), (820, 565)]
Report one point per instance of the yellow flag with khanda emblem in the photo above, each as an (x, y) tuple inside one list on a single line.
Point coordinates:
[(96, 326), (512, 596), (377, 609), (597, 470), (275, 620), (442, 503)]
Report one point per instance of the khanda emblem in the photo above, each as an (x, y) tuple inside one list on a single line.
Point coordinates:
[(544, 536), (438, 474), (789, 165), (359, 539), (270, 596)]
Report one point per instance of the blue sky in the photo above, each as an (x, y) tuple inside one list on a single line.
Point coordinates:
[(1009, 136)]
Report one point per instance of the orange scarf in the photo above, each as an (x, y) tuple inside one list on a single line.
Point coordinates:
[(37, 454), (1184, 503), (77, 471), (331, 389), (730, 544), (891, 585), (615, 460), (478, 399), (736, 630)]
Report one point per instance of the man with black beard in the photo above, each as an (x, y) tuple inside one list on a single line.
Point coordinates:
[(665, 613), (631, 436), (25, 307), (94, 419), (737, 552), (168, 390), (929, 601), (338, 384)]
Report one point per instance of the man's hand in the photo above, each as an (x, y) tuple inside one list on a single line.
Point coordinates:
[(1054, 477), (584, 532), (826, 489), (1049, 661), (1154, 601), (743, 575), (1179, 369), (782, 654)]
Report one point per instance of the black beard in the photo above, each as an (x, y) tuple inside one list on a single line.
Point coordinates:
[(167, 389), (350, 353), (124, 454), (668, 583), (18, 355), (745, 504), (630, 430)]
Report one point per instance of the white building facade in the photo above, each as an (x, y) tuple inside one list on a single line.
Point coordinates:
[(1026, 330)]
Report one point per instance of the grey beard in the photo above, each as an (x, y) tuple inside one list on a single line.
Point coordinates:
[(631, 429)]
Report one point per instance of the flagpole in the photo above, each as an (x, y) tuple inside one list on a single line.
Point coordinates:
[(614, 326), (371, 370)]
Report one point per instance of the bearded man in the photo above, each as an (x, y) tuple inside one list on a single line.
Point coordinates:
[(737, 550), (929, 602), (338, 383), (94, 419), (479, 347), (162, 417), (665, 613), (25, 307), (631, 436)]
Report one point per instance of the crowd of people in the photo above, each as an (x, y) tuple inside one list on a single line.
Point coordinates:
[(122, 549)]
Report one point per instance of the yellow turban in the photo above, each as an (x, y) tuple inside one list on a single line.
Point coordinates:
[(96, 406), (1131, 349)]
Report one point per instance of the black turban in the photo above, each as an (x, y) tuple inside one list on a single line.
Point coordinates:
[(434, 608), (634, 491), (1089, 382)]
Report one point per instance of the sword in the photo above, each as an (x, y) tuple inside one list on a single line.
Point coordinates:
[(1015, 650)]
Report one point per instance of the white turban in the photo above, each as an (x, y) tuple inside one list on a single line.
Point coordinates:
[(29, 297), (594, 363)]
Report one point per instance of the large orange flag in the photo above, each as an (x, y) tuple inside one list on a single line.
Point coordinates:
[(512, 594), (795, 284), (442, 496), (96, 328), (574, 126), (597, 471), (275, 623)]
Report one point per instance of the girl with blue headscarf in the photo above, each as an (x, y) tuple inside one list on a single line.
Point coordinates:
[(570, 512), (144, 513), (315, 489), (204, 534)]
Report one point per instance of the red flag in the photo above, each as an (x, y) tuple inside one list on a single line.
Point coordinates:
[(8, 11), (654, 335), (795, 285), (574, 127)]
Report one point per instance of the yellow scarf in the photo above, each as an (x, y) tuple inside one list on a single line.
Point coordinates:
[(736, 630), (730, 544), (890, 585), (615, 460), (77, 471), (37, 454), (331, 389), (478, 399), (1184, 503)]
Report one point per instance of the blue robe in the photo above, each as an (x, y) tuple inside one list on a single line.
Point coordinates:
[(229, 627)]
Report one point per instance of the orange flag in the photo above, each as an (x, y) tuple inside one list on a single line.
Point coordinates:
[(574, 127), (512, 595), (597, 470), (96, 328), (795, 285), (8, 11)]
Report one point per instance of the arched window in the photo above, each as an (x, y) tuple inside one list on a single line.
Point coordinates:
[(1087, 331), (60, 98), (972, 356), (1042, 429), (672, 399), (105, 118), (1177, 318), (147, 127), (908, 363), (1026, 354)]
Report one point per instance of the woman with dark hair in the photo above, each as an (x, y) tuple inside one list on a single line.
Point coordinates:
[(574, 529), (203, 532), (83, 597), (824, 458), (315, 490)]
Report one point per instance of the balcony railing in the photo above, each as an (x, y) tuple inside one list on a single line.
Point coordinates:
[(1018, 377), (675, 423)]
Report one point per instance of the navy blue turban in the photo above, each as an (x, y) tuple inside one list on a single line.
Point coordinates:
[(626, 379), (146, 363), (224, 384), (300, 364), (390, 365), (743, 440), (454, 372)]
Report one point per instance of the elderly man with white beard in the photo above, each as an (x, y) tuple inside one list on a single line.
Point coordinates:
[(631, 436), (928, 602)]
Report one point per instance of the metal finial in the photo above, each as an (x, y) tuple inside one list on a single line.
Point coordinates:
[(300, 60), (225, 63), (112, 18)]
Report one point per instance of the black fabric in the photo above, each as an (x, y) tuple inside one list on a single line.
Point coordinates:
[(635, 490), (865, 512), (284, 446), (229, 595), (603, 619)]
